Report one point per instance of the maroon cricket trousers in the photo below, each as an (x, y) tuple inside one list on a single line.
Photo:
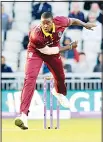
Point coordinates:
[(33, 64)]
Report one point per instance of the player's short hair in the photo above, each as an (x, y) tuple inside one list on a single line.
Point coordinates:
[(47, 15)]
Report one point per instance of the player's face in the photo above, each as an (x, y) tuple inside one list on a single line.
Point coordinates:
[(47, 24)]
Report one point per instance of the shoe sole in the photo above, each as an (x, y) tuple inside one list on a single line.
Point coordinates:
[(20, 124)]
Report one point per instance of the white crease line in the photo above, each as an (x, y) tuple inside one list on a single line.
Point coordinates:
[(27, 129), (22, 130)]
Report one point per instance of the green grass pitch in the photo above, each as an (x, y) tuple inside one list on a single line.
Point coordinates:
[(73, 130)]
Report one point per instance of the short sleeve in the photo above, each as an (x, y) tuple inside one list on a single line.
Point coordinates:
[(62, 21)]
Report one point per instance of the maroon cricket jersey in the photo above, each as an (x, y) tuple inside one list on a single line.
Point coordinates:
[(37, 39)]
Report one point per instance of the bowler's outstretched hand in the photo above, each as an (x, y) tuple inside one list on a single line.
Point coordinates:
[(89, 26)]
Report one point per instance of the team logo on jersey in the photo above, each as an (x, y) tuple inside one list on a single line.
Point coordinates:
[(60, 34), (30, 54)]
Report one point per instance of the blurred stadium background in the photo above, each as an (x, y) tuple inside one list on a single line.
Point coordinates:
[(82, 69)]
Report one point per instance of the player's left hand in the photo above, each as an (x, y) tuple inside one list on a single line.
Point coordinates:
[(89, 26)]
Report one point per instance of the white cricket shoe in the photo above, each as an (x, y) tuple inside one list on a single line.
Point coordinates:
[(21, 122), (61, 98)]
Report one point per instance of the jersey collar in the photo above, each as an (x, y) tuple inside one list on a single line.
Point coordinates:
[(48, 34)]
